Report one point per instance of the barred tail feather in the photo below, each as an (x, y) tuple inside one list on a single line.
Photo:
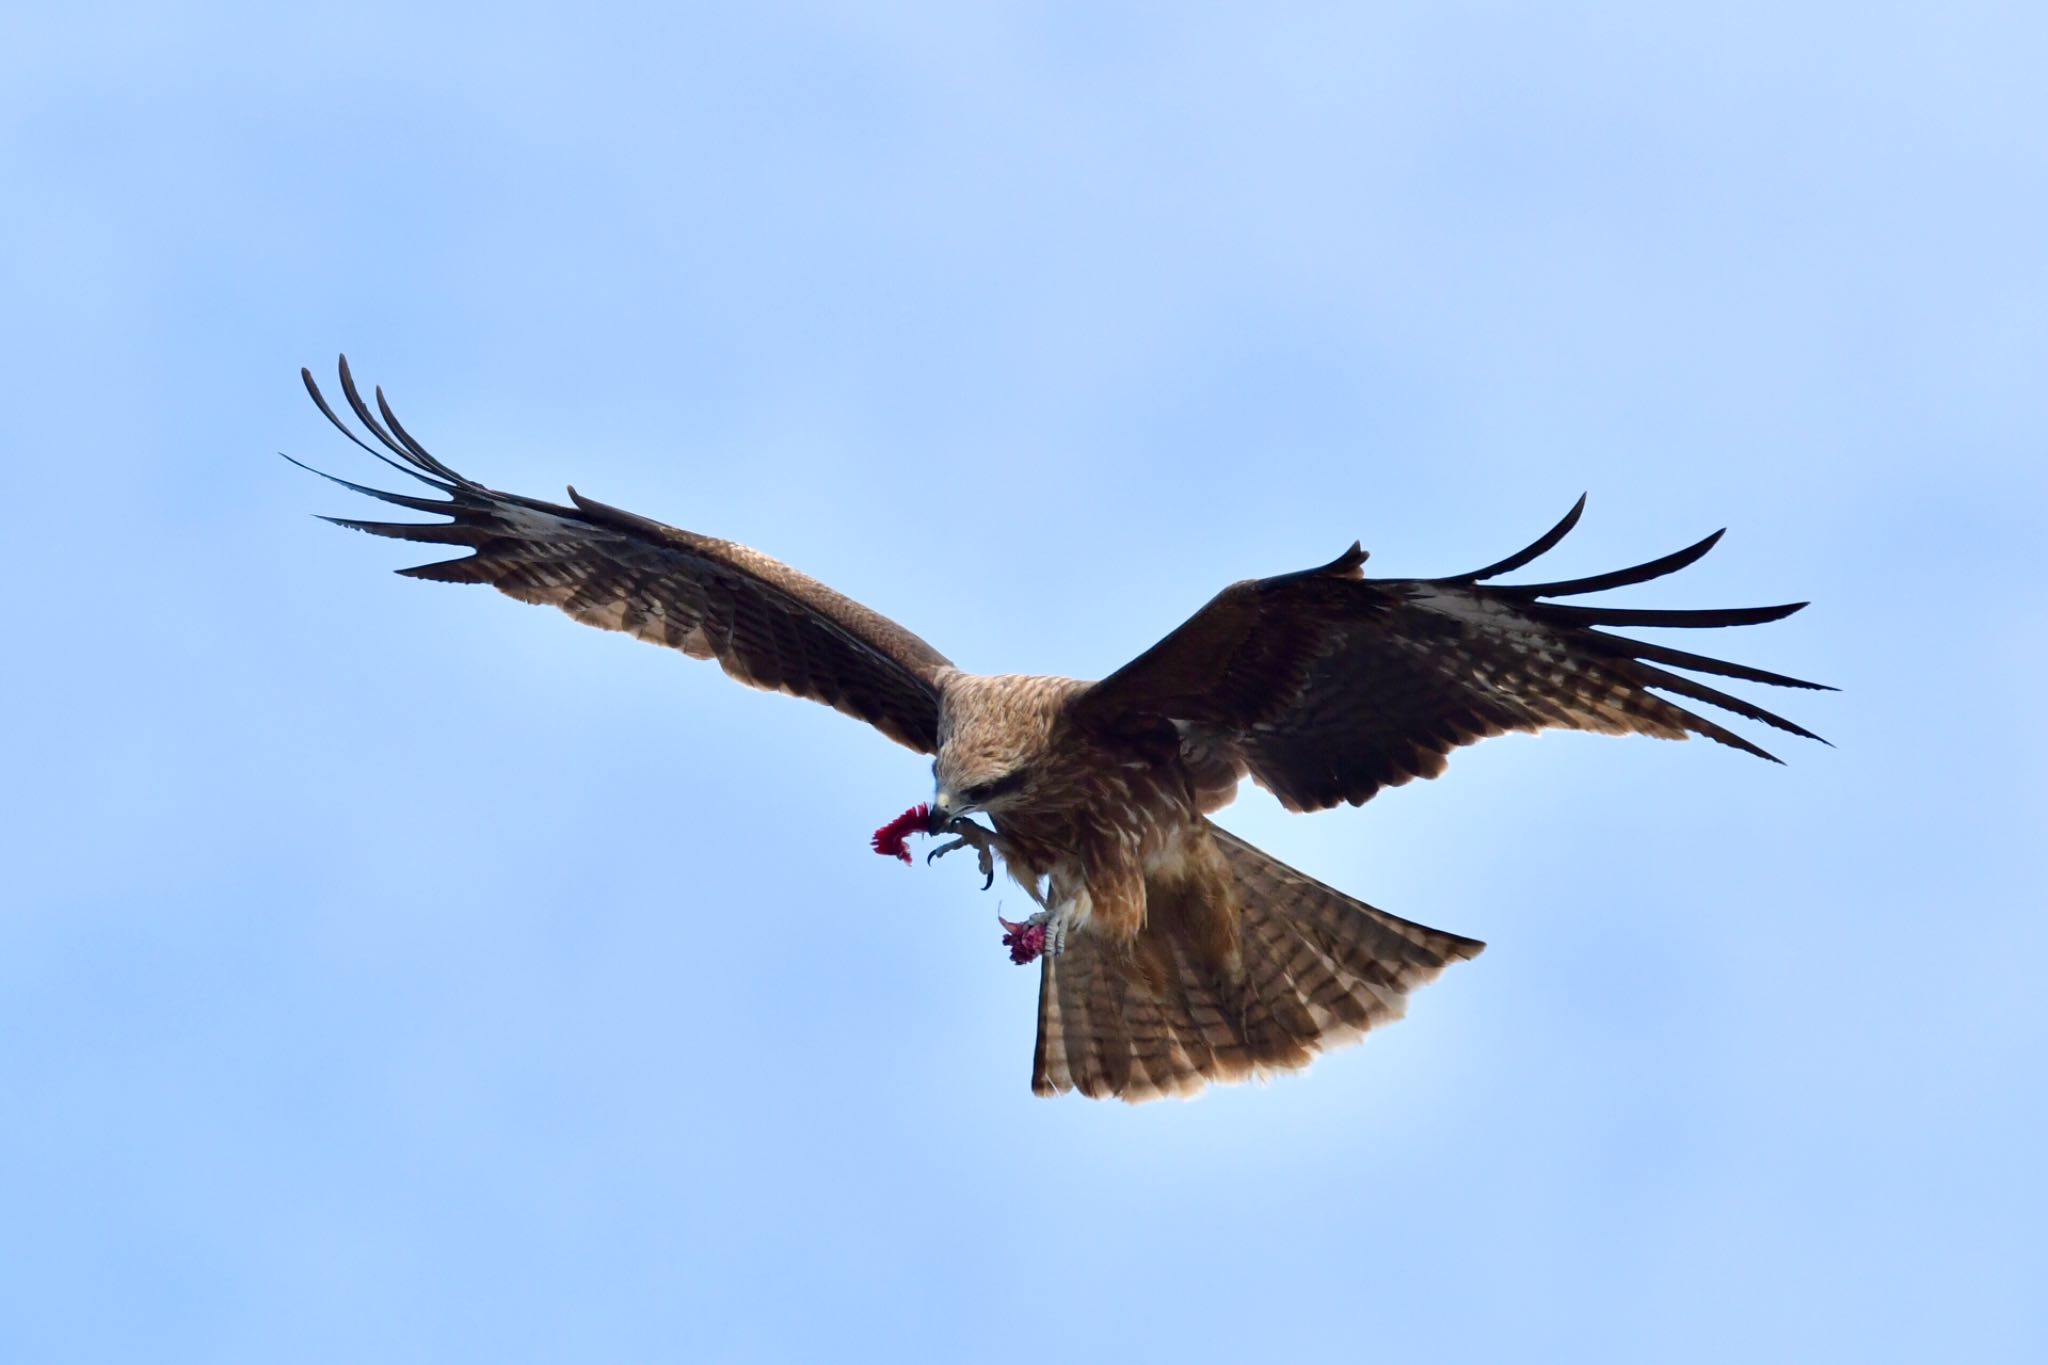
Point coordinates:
[(1348, 965), (1314, 969)]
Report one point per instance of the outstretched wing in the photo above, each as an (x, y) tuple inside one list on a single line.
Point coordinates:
[(766, 624), (1325, 686)]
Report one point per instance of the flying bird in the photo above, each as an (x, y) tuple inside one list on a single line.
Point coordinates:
[(1172, 953)]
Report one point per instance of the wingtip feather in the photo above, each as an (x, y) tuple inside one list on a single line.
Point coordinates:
[(1534, 550), (1619, 578)]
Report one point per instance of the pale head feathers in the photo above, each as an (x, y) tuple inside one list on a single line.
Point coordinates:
[(992, 733)]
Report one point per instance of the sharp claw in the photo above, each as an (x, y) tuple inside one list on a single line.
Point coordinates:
[(979, 840)]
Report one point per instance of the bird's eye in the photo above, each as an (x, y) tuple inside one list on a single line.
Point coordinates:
[(982, 792)]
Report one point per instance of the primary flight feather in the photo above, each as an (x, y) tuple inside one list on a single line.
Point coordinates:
[(1173, 953)]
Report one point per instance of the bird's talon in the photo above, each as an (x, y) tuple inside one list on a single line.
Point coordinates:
[(1026, 939)]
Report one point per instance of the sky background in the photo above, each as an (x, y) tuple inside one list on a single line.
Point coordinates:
[(395, 972)]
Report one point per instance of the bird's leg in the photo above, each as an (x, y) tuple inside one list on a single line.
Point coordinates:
[(1058, 921), (968, 834), (1043, 933)]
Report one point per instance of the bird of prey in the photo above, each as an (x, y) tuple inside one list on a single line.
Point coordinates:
[(1173, 953)]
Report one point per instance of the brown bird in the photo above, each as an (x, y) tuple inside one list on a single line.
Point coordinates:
[(1173, 953)]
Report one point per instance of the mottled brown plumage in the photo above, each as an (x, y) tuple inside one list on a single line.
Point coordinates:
[(1178, 954)]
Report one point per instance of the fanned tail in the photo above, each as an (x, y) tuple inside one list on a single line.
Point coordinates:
[(1307, 969)]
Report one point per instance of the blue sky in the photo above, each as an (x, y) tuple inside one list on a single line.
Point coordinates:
[(394, 972)]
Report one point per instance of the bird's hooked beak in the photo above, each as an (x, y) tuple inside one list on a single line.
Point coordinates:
[(943, 811)]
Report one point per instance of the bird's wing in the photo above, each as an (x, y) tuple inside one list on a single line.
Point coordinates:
[(1325, 686), (766, 624)]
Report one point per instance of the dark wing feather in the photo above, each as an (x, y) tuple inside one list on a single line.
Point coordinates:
[(1325, 686), (765, 623)]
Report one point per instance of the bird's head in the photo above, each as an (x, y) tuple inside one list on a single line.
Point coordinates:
[(972, 789), (993, 737)]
